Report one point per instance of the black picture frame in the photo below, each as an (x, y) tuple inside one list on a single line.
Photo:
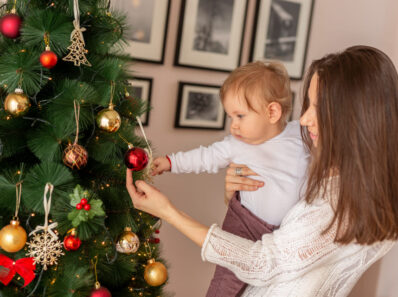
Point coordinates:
[(199, 107), (195, 49), (148, 23), (142, 89), (293, 101), (281, 32)]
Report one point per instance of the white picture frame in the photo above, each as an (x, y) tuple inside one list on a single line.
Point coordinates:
[(210, 34), (147, 21), (199, 107), (281, 32), (142, 89)]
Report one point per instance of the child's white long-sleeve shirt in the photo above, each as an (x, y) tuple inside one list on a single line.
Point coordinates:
[(280, 162)]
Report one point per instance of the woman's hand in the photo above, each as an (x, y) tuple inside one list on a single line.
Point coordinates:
[(147, 198), (235, 180), (151, 200)]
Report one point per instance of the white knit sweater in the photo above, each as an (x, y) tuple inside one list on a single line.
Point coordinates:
[(295, 260)]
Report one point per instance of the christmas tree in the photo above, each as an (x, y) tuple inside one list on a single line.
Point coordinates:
[(67, 127)]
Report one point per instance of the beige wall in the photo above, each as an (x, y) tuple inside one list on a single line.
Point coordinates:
[(336, 24)]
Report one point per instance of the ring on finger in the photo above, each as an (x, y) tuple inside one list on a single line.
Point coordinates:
[(238, 171)]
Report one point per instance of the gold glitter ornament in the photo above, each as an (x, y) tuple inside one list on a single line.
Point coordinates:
[(44, 249), (75, 156), (109, 119), (17, 103), (155, 273), (128, 242)]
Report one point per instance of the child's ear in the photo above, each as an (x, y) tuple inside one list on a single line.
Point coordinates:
[(274, 112)]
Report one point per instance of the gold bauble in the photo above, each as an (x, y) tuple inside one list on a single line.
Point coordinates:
[(12, 237), (155, 273), (128, 242), (109, 119), (17, 103)]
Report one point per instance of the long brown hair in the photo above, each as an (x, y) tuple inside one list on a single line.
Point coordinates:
[(357, 113)]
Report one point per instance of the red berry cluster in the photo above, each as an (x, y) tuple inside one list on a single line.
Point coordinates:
[(83, 204)]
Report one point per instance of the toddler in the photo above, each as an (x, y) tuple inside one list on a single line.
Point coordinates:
[(257, 98)]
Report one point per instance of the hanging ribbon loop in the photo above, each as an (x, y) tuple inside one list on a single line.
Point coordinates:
[(47, 206)]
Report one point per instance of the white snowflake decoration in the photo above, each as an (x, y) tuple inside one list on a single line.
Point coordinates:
[(45, 249)]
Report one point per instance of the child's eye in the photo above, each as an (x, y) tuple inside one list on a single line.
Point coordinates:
[(240, 115)]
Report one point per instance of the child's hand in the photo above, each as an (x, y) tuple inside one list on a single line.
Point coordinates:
[(160, 165)]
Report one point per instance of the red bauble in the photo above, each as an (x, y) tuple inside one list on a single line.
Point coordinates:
[(101, 292), (136, 159), (83, 201), (10, 25), (87, 207), (72, 243), (79, 206), (48, 59)]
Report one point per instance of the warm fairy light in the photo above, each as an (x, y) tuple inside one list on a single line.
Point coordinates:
[(133, 278), (130, 289), (77, 276), (5, 85), (140, 293), (83, 101), (50, 78), (103, 243), (107, 185), (32, 214), (53, 281), (23, 51), (8, 117), (52, 4), (18, 172)]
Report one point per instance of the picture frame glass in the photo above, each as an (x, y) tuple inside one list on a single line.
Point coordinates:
[(281, 33), (199, 106), (147, 23), (211, 34)]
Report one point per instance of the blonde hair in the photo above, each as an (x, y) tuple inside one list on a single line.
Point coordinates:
[(261, 83)]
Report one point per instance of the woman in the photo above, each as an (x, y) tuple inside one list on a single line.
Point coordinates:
[(348, 217)]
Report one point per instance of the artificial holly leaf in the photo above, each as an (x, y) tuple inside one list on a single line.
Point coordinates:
[(96, 208), (77, 195), (78, 216)]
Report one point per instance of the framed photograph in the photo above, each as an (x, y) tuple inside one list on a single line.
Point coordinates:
[(142, 89), (281, 32), (210, 34), (147, 22), (199, 107)]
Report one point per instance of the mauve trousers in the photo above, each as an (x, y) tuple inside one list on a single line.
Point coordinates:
[(242, 222)]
